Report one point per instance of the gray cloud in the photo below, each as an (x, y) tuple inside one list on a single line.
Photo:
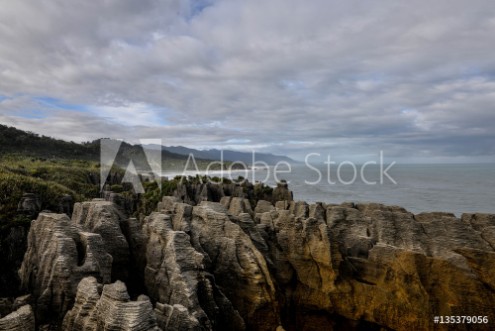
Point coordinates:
[(352, 78)]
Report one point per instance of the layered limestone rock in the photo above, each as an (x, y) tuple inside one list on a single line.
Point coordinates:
[(108, 307), (105, 218), (237, 205), (263, 206), (238, 266), (194, 192), (20, 320), (379, 265), (287, 266), (202, 259), (326, 267), (282, 193), (59, 255), (175, 277)]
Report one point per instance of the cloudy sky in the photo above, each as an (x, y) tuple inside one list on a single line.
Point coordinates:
[(350, 78)]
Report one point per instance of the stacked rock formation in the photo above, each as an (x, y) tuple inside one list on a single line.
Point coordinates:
[(284, 266), (105, 218), (59, 255), (194, 193), (109, 308), (175, 277)]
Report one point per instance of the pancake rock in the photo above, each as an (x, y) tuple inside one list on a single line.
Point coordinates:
[(284, 266), (58, 256), (369, 265), (175, 277), (238, 266), (108, 307), (104, 218)]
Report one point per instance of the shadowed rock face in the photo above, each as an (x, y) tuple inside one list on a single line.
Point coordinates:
[(29, 205), (288, 266), (13, 245), (104, 218), (195, 193)]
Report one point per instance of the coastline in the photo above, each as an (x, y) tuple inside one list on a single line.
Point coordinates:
[(454, 188)]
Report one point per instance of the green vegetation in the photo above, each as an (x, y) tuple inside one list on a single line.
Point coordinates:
[(149, 200), (48, 179)]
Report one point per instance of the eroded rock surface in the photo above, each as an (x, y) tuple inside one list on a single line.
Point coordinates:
[(238, 266), (105, 218), (59, 255), (380, 264), (194, 193), (175, 277), (108, 307), (285, 266)]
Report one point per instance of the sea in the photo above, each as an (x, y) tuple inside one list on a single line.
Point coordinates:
[(454, 188)]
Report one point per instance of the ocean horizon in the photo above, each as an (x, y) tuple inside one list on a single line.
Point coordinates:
[(453, 188)]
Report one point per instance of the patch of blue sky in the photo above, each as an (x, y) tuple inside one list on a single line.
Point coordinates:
[(471, 71), (32, 114), (196, 7), (55, 103)]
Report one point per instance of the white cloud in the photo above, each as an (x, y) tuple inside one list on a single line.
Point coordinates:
[(133, 114), (338, 74)]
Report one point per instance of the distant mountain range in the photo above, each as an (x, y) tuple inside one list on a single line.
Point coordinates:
[(18, 142), (15, 142), (228, 155)]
